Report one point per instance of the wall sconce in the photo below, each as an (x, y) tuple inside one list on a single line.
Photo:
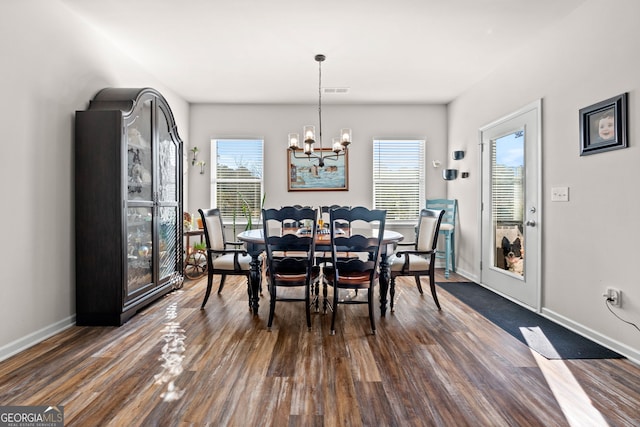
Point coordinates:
[(194, 159), (458, 155), (202, 165), (449, 174)]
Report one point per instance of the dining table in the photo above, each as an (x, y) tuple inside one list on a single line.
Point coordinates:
[(254, 241)]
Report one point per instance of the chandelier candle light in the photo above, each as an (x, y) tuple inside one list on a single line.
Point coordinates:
[(340, 144)]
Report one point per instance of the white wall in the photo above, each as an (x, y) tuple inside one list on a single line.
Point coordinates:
[(273, 122), (52, 65), (592, 241)]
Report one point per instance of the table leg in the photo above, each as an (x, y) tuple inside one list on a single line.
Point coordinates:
[(255, 277), (385, 276)]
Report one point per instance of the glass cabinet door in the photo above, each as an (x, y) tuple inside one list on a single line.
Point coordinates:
[(169, 219), (139, 248), (140, 211), (168, 240), (139, 154), (154, 223), (167, 161)]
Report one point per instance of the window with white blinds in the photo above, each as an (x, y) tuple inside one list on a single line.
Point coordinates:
[(236, 178), (399, 178)]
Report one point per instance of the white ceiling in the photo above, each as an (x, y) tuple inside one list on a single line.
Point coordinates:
[(259, 51)]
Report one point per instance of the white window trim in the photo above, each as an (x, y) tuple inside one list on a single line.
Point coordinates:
[(420, 183), (240, 219)]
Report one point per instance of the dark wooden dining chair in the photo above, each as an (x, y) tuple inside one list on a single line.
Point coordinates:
[(290, 255), (292, 224), (354, 273), (419, 257), (323, 258), (324, 214), (223, 258)]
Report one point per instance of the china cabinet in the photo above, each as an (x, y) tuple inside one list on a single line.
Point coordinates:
[(128, 198)]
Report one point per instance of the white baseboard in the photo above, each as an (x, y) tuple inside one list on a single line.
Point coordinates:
[(469, 276), (628, 352), (36, 337)]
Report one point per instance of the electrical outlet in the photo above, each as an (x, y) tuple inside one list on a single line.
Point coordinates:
[(614, 296)]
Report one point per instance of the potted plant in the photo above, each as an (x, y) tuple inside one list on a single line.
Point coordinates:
[(200, 246), (194, 159)]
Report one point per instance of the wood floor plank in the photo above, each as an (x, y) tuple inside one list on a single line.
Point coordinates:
[(379, 414), (176, 365), (307, 399), (342, 404)]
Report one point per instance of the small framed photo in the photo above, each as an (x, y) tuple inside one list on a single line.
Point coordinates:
[(603, 126)]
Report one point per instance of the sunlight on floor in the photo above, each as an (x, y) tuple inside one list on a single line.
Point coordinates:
[(573, 401), (172, 354)]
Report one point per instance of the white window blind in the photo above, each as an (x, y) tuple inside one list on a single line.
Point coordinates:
[(236, 178), (399, 178)]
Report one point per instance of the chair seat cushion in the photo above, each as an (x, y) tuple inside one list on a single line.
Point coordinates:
[(356, 279), (416, 263), (341, 255), (296, 277), (293, 254), (446, 227), (225, 262)]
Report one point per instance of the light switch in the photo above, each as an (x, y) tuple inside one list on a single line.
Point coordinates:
[(560, 194)]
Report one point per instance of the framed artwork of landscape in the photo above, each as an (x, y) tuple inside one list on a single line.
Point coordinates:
[(305, 174)]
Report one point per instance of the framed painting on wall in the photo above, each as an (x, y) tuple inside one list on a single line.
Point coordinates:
[(304, 173), (603, 126)]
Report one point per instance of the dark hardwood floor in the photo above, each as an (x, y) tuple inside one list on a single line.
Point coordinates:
[(175, 365)]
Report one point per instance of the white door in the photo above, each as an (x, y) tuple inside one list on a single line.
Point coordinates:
[(511, 205)]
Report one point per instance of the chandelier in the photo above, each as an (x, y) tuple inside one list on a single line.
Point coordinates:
[(339, 144)]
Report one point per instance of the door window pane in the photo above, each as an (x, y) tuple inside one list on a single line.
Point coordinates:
[(507, 201)]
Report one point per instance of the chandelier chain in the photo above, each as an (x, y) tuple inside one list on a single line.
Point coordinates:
[(320, 104)]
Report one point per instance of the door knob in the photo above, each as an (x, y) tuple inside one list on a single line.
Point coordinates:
[(530, 223)]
